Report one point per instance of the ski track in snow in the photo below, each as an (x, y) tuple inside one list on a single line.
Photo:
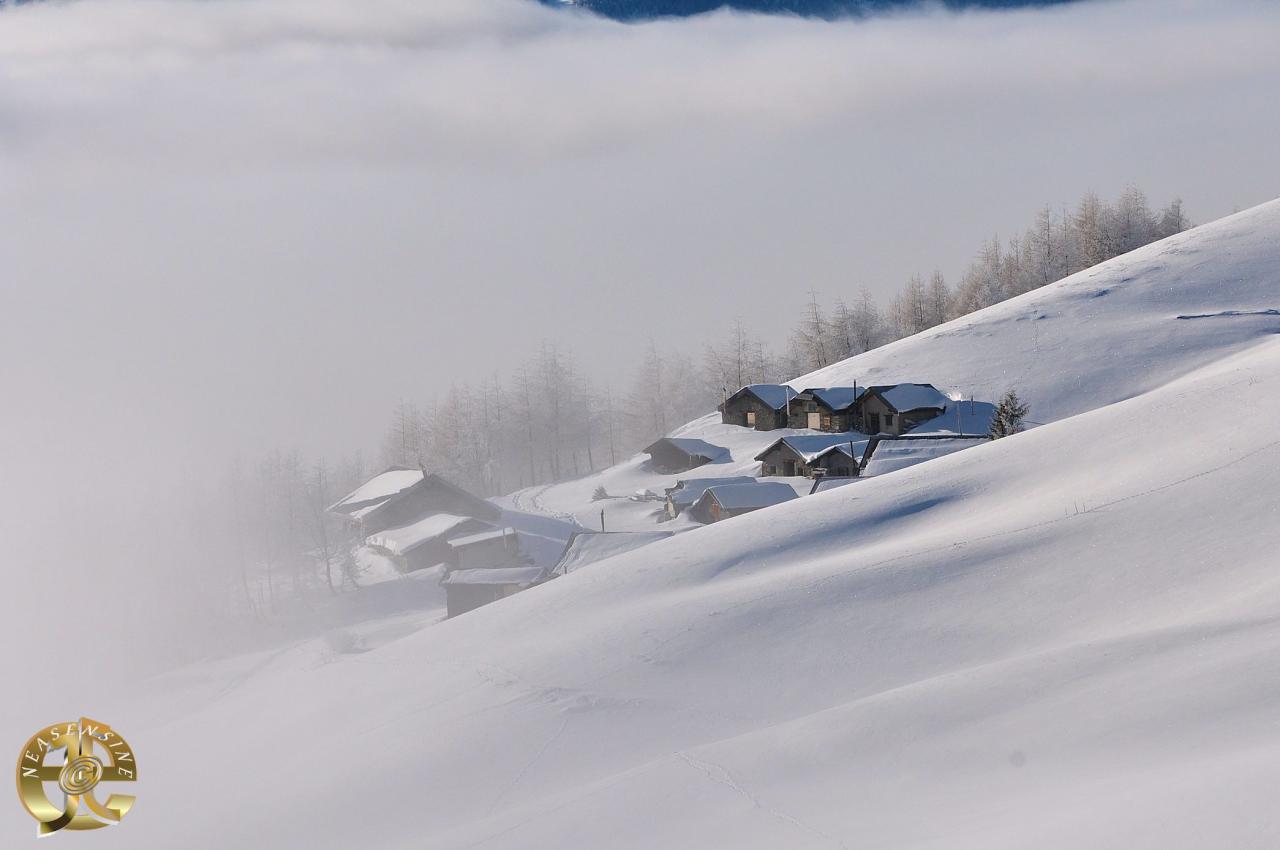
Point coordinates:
[(720, 775), (528, 765), (1226, 314)]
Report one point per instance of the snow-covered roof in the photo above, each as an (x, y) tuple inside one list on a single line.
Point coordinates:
[(960, 417), (904, 397), (760, 494), (837, 398), (496, 576), (688, 491), (406, 538), (850, 451), (361, 513), (811, 446), (589, 547), (379, 488), (822, 485), (692, 447), (774, 395), (892, 455), (481, 537)]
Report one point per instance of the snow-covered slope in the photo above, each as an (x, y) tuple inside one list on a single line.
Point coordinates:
[(1068, 638), (1100, 336)]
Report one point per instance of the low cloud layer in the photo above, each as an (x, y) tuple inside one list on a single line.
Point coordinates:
[(236, 224), (386, 83)]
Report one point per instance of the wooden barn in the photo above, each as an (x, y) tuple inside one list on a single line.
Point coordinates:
[(760, 406), (375, 492), (467, 590), (680, 454), (824, 409), (424, 542), (898, 408), (413, 495), (498, 547), (799, 455), (730, 500)]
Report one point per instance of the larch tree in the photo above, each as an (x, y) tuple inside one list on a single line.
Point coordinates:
[(938, 299), (866, 325)]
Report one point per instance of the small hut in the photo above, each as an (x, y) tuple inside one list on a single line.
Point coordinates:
[(688, 491)]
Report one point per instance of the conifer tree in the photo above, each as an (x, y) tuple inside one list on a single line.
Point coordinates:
[(1009, 415)]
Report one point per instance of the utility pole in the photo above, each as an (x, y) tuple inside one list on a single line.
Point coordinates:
[(602, 520)]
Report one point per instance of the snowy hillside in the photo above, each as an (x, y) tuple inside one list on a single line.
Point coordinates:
[(1068, 638), (1104, 334), (1169, 307)]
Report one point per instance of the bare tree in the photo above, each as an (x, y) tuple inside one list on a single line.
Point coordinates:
[(866, 325), (318, 500), (810, 338)]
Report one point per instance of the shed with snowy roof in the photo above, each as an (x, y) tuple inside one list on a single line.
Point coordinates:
[(730, 500), (687, 491), (467, 590), (760, 406)]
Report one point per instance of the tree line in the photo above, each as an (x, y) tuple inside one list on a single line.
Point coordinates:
[(549, 421)]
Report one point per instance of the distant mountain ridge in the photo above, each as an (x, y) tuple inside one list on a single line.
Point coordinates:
[(630, 10)]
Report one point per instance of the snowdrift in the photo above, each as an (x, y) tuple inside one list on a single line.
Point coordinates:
[(1069, 638)]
